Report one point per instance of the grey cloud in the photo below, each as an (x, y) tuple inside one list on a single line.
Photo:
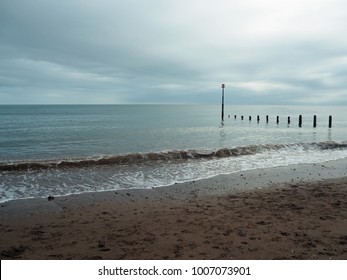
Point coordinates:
[(172, 51)]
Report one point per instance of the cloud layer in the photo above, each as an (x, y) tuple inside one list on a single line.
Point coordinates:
[(173, 51)]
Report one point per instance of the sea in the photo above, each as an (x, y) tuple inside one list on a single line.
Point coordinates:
[(57, 150)]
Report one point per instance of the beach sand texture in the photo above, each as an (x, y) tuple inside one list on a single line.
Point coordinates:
[(285, 214)]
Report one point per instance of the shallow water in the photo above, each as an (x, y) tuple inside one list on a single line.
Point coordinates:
[(57, 150)]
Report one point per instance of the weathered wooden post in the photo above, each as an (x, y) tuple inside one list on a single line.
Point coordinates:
[(288, 120), (330, 121), (277, 119), (267, 118), (314, 121), (258, 119), (300, 121), (223, 86)]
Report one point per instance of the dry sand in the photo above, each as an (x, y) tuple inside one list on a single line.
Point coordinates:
[(297, 212)]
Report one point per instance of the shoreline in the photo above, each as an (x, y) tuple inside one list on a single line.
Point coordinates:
[(50, 181), (221, 184), (292, 212)]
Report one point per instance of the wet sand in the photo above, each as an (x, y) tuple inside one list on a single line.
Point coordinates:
[(295, 212)]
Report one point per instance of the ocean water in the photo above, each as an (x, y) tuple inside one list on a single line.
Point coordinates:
[(59, 150)]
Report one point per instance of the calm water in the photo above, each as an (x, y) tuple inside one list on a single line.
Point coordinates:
[(142, 146)]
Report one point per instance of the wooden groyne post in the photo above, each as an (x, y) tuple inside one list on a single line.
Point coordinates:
[(330, 121), (288, 120)]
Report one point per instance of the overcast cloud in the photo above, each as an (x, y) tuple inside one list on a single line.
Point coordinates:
[(174, 51)]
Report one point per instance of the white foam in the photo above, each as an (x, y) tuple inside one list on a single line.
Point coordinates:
[(42, 183)]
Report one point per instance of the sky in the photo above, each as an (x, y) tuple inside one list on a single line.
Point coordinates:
[(276, 52)]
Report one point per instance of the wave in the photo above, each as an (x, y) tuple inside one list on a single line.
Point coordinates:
[(167, 156)]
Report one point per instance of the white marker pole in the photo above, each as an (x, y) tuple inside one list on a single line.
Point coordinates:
[(223, 86)]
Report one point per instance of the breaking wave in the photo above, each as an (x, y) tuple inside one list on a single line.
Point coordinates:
[(169, 156)]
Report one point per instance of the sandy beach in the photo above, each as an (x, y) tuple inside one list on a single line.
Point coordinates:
[(293, 212)]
